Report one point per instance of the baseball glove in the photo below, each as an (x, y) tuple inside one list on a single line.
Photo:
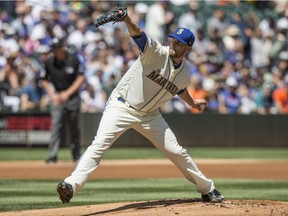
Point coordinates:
[(111, 16)]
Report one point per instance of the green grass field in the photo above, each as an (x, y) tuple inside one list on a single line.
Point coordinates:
[(31, 194), (7, 154), (38, 194)]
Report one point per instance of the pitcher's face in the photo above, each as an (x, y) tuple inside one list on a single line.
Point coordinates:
[(177, 49)]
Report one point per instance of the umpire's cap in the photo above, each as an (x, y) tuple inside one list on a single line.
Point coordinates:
[(57, 42), (183, 35)]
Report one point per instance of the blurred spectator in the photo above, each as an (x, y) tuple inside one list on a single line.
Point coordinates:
[(77, 37), (38, 6), (248, 105), (236, 19), (206, 68), (279, 44), (109, 86), (158, 19), (212, 102), (42, 54), (264, 100), (42, 31), (10, 82), (196, 91), (141, 10), (283, 62), (252, 48), (8, 6), (259, 56), (217, 22), (9, 40), (202, 44), (189, 20), (280, 96), (280, 69), (33, 97), (234, 47), (9, 74), (92, 101), (229, 100), (23, 24)]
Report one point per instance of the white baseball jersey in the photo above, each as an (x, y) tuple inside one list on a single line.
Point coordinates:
[(157, 80)]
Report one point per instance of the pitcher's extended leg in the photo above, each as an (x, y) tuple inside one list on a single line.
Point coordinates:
[(159, 133), (113, 123)]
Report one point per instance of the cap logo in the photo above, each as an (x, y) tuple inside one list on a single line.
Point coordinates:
[(180, 31), (55, 40)]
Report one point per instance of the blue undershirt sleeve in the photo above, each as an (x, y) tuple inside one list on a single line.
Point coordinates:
[(141, 40)]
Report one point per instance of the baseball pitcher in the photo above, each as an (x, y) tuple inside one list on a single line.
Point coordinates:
[(159, 73)]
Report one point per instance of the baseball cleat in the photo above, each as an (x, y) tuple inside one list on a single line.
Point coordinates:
[(51, 160), (65, 192), (213, 196)]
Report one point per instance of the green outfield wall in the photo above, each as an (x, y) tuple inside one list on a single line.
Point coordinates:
[(190, 129), (207, 130)]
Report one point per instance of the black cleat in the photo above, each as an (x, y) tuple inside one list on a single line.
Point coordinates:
[(51, 160), (213, 196), (65, 192)]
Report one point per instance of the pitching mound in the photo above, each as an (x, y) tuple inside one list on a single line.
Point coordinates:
[(181, 207)]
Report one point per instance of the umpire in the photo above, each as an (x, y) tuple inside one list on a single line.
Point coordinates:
[(64, 70)]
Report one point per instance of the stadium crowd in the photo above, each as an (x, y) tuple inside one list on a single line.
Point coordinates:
[(239, 61)]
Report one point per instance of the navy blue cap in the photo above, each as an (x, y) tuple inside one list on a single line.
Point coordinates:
[(183, 35)]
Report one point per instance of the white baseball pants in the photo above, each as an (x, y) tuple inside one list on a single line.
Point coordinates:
[(116, 119)]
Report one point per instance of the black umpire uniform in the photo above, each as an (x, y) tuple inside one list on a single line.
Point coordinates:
[(64, 71)]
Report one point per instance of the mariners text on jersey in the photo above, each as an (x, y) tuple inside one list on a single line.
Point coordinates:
[(160, 80)]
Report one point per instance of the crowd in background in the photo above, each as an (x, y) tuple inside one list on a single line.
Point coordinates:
[(239, 61)]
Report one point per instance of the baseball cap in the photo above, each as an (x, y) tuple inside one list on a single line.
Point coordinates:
[(183, 35), (56, 42)]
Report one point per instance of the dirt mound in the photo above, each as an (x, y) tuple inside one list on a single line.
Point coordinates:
[(181, 207), (148, 168)]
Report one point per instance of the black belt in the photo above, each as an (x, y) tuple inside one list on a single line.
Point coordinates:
[(125, 102)]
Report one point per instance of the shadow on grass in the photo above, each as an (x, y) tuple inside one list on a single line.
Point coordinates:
[(147, 205)]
